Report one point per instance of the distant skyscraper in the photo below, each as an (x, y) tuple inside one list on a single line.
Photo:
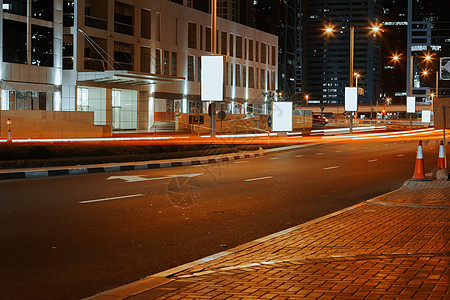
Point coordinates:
[(428, 32), (326, 58), (281, 18)]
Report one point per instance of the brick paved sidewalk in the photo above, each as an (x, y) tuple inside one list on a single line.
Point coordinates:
[(396, 246)]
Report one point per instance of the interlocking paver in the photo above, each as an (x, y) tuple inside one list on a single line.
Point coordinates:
[(395, 246)]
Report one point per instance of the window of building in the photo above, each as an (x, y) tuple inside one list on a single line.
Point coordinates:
[(42, 9), (17, 7), (123, 18), (123, 56), (67, 52), (250, 49), (257, 51), (273, 80), (191, 68), (158, 27), (273, 56), (199, 69), (192, 35), (269, 82), (263, 53), (244, 76), (208, 39), (41, 46), (239, 46), (226, 73), (14, 42), (158, 61), (201, 37), (262, 79), (96, 14), (224, 43), (238, 75), (166, 62), (145, 59), (146, 24), (231, 44), (251, 77), (93, 60), (245, 49), (68, 13), (174, 64)]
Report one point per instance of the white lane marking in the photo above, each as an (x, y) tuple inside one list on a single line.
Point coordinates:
[(109, 199), (319, 153), (241, 162), (300, 155), (137, 178), (337, 151), (372, 160), (134, 178), (273, 158), (400, 155), (260, 178), (329, 168)]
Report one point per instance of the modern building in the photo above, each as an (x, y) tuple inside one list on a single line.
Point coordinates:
[(131, 63), (428, 32), (281, 18), (326, 58)]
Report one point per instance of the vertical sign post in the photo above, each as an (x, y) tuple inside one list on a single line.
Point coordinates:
[(410, 108), (351, 103)]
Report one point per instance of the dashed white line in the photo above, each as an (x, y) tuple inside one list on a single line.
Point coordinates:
[(241, 162), (300, 155), (274, 158), (109, 199), (260, 178), (400, 155), (330, 168), (319, 153), (372, 160)]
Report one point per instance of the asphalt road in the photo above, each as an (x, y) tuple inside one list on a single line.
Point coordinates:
[(72, 237)]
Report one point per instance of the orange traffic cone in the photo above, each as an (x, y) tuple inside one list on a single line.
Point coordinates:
[(419, 173), (441, 159)]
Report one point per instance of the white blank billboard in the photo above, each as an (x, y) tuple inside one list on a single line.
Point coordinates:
[(212, 78), (426, 116), (410, 104), (351, 99), (282, 116)]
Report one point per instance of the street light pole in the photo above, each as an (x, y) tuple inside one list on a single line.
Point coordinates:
[(212, 110), (411, 58), (352, 46)]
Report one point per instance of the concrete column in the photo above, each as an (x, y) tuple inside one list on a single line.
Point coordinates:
[(108, 107), (142, 110)]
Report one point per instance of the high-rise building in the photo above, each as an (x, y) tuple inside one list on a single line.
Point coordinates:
[(326, 58), (428, 32), (282, 19)]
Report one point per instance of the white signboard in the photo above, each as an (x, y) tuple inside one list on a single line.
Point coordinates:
[(212, 78), (426, 116), (282, 116), (351, 99), (410, 104)]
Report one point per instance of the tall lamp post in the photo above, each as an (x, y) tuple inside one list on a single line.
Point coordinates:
[(375, 29)]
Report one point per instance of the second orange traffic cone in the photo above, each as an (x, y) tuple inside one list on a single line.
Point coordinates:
[(441, 159), (419, 173)]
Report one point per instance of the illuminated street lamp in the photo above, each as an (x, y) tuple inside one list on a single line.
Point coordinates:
[(375, 29)]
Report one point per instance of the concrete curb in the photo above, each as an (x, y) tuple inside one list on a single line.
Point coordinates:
[(107, 168)]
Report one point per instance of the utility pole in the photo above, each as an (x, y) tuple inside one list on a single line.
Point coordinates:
[(212, 108)]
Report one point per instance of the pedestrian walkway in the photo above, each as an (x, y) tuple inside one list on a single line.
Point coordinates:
[(395, 246)]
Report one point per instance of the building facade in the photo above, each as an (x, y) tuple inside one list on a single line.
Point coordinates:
[(130, 62), (326, 58)]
